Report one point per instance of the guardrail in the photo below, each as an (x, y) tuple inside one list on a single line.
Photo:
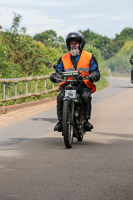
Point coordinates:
[(26, 94)]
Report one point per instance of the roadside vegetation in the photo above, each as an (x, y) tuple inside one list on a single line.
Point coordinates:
[(22, 55)]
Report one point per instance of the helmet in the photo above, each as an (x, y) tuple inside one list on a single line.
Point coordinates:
[(75, 36)]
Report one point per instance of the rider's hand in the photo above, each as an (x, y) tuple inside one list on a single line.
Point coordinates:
[(59, 75), (54, 78), (93, 77)]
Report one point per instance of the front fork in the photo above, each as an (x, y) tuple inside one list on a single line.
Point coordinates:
[(71, 102)]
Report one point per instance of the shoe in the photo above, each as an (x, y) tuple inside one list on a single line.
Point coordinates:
[(58, 126), (88, 126)]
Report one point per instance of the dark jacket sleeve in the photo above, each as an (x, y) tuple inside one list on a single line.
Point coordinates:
[(60, 66), (94, 69)]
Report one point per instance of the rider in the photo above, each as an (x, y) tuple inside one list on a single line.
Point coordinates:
[(131, 59), (84, 62)]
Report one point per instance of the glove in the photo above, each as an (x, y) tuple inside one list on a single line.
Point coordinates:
[(93, 77), (131, 60), (59, 75), (55, 76)]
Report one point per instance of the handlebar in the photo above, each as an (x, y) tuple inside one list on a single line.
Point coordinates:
[(74, 74)]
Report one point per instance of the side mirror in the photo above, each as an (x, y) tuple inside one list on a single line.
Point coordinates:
[(49, 64)]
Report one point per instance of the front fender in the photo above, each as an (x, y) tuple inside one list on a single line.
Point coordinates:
[(67, 99)]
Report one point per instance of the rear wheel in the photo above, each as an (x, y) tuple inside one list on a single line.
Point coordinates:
[(67, 124), (132, 75), (80, 137), (80, 133)]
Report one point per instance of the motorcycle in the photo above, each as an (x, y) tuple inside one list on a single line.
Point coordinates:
[(72, 109), (132, 75), (131, 62)]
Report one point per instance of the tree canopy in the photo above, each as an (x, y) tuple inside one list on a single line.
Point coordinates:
[(23, 55)]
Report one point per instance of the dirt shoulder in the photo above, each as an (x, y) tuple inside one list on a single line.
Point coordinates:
[(23, 111)]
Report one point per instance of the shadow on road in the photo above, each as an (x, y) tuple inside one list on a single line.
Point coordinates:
[(52, 145), (46, 143), (52, 120), (123, 87), (120, 135)]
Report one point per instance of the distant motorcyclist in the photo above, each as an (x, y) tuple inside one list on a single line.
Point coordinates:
[(131, 59), (84, 62)]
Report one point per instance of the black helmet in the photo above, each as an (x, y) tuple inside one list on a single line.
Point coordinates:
[(76, 36)]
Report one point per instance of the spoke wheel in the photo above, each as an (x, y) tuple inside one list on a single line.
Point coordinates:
[(67, 124), (80, 134)]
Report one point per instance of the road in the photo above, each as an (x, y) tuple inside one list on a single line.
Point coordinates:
[(35, 165)]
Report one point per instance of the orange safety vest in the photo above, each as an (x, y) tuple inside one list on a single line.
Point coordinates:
[(82, 66)]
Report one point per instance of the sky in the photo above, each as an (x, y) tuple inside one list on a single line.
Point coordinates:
[(105, 17)]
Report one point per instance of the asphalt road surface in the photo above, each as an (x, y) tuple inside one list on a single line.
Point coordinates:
[(35, 165)]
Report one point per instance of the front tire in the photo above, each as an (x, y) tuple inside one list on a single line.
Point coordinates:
[(67, 124)]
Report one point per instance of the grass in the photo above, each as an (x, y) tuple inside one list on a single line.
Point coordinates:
[(103, 83)]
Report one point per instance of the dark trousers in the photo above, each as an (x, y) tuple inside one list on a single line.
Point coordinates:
[(85, 94)]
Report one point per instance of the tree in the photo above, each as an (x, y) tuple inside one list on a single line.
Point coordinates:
[(15, 28), (127, 49), (94, 51), (125, 34), (96, 40)]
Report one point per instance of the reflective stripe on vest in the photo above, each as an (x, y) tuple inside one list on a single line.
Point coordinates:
[(82, 66)]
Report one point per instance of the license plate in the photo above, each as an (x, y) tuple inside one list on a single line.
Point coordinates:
[(70, 93)]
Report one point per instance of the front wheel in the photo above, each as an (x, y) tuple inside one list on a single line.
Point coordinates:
[(67, 124)]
